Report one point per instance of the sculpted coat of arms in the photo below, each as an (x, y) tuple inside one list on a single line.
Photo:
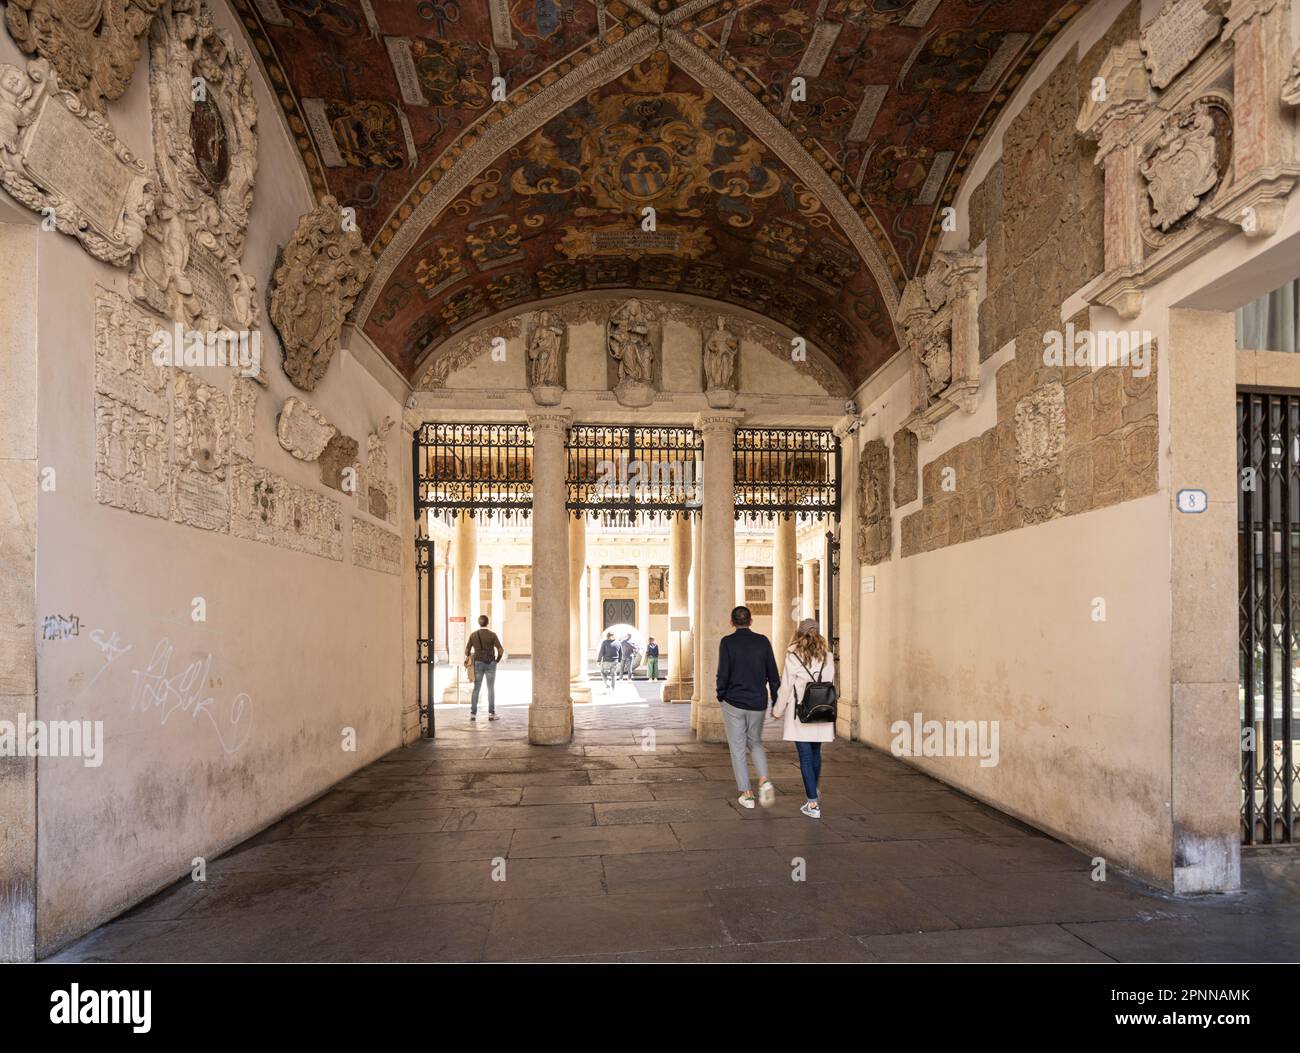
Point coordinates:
[(1181, 167), (92, 44), (321, 271)]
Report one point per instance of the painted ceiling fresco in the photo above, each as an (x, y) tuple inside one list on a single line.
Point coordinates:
[(384, 96), (561, 212)]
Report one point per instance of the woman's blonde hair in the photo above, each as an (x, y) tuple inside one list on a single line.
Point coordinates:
[(809, 646)]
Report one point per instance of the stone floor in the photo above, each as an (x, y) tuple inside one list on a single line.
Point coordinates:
[(628, 845)]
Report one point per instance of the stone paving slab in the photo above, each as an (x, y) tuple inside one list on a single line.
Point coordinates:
[(480, 847)]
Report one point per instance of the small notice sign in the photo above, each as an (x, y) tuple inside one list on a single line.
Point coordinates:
[(1192, 501)]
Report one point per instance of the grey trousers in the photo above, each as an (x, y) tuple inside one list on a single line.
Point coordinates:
[(745, 730)]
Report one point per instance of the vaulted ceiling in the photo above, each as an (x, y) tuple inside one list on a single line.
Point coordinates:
[(811, 211)]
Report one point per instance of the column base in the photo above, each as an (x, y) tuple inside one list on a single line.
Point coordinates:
[(550, 725), (709, 726), (450, 696), (846, 720), (677, 691), (579, 691)]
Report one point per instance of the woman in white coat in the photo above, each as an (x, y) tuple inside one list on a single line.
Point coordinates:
[(807, 659)]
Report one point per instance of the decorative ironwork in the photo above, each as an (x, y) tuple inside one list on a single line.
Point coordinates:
[(1268, 546), (832, 592), (479, 468), (424, 638), (623, 474), (787, 471)]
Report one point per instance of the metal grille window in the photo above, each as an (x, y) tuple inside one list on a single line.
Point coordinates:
[(1268, 536), (625, 474), (787, 470), (483, 468)]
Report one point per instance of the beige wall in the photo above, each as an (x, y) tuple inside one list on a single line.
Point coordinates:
[(295, 648)]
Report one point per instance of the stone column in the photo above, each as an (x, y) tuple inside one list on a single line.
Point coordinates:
[(584, 617), (718, 544), (594, 617), (498, 614), (740, 585), (579, 691), (681, 645), (784, 571), (550, 717), (697, 617), (809, 605), (441, 597), (643, 598), (464, 602)]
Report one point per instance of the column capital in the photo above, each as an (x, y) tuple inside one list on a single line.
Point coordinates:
[(718, 421), (550, 419)]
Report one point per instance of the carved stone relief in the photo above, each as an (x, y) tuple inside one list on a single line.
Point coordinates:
[(1291, 86), (906, 466), (200, 427), (58, 155), (130, 458), (266, 507), (90, 43), (378, 492), (303, 430), (376, 548), (340, 454), (875, 531), (321, 271), (243, 418), (939, 317), (205, 141), (461, 353), (1182, 167)]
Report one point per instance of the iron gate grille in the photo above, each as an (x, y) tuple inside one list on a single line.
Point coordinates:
[(482, 468), (625, 473), (787, 470), (1268, 547), (424, 639)]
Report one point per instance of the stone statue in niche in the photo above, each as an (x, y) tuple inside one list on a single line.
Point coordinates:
[(720, 352), (57, 154), (321, 271), (546, 358), (631, 336), (90, 43), (1181, 166)]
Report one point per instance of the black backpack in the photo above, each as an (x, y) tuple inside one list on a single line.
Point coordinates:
[(817, 704)]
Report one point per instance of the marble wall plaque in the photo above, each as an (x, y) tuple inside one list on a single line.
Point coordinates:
[(375, 548), (1173, 39), (65, 158), (303, 430)]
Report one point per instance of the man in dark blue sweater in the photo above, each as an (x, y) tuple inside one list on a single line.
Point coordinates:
[(747, 676)]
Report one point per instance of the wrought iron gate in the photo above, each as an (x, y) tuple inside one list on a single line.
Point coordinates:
[(475, 469), (1268, 547)]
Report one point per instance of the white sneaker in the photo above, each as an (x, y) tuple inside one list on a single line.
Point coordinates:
[(812, 811), (766, 793), (746, 800)]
